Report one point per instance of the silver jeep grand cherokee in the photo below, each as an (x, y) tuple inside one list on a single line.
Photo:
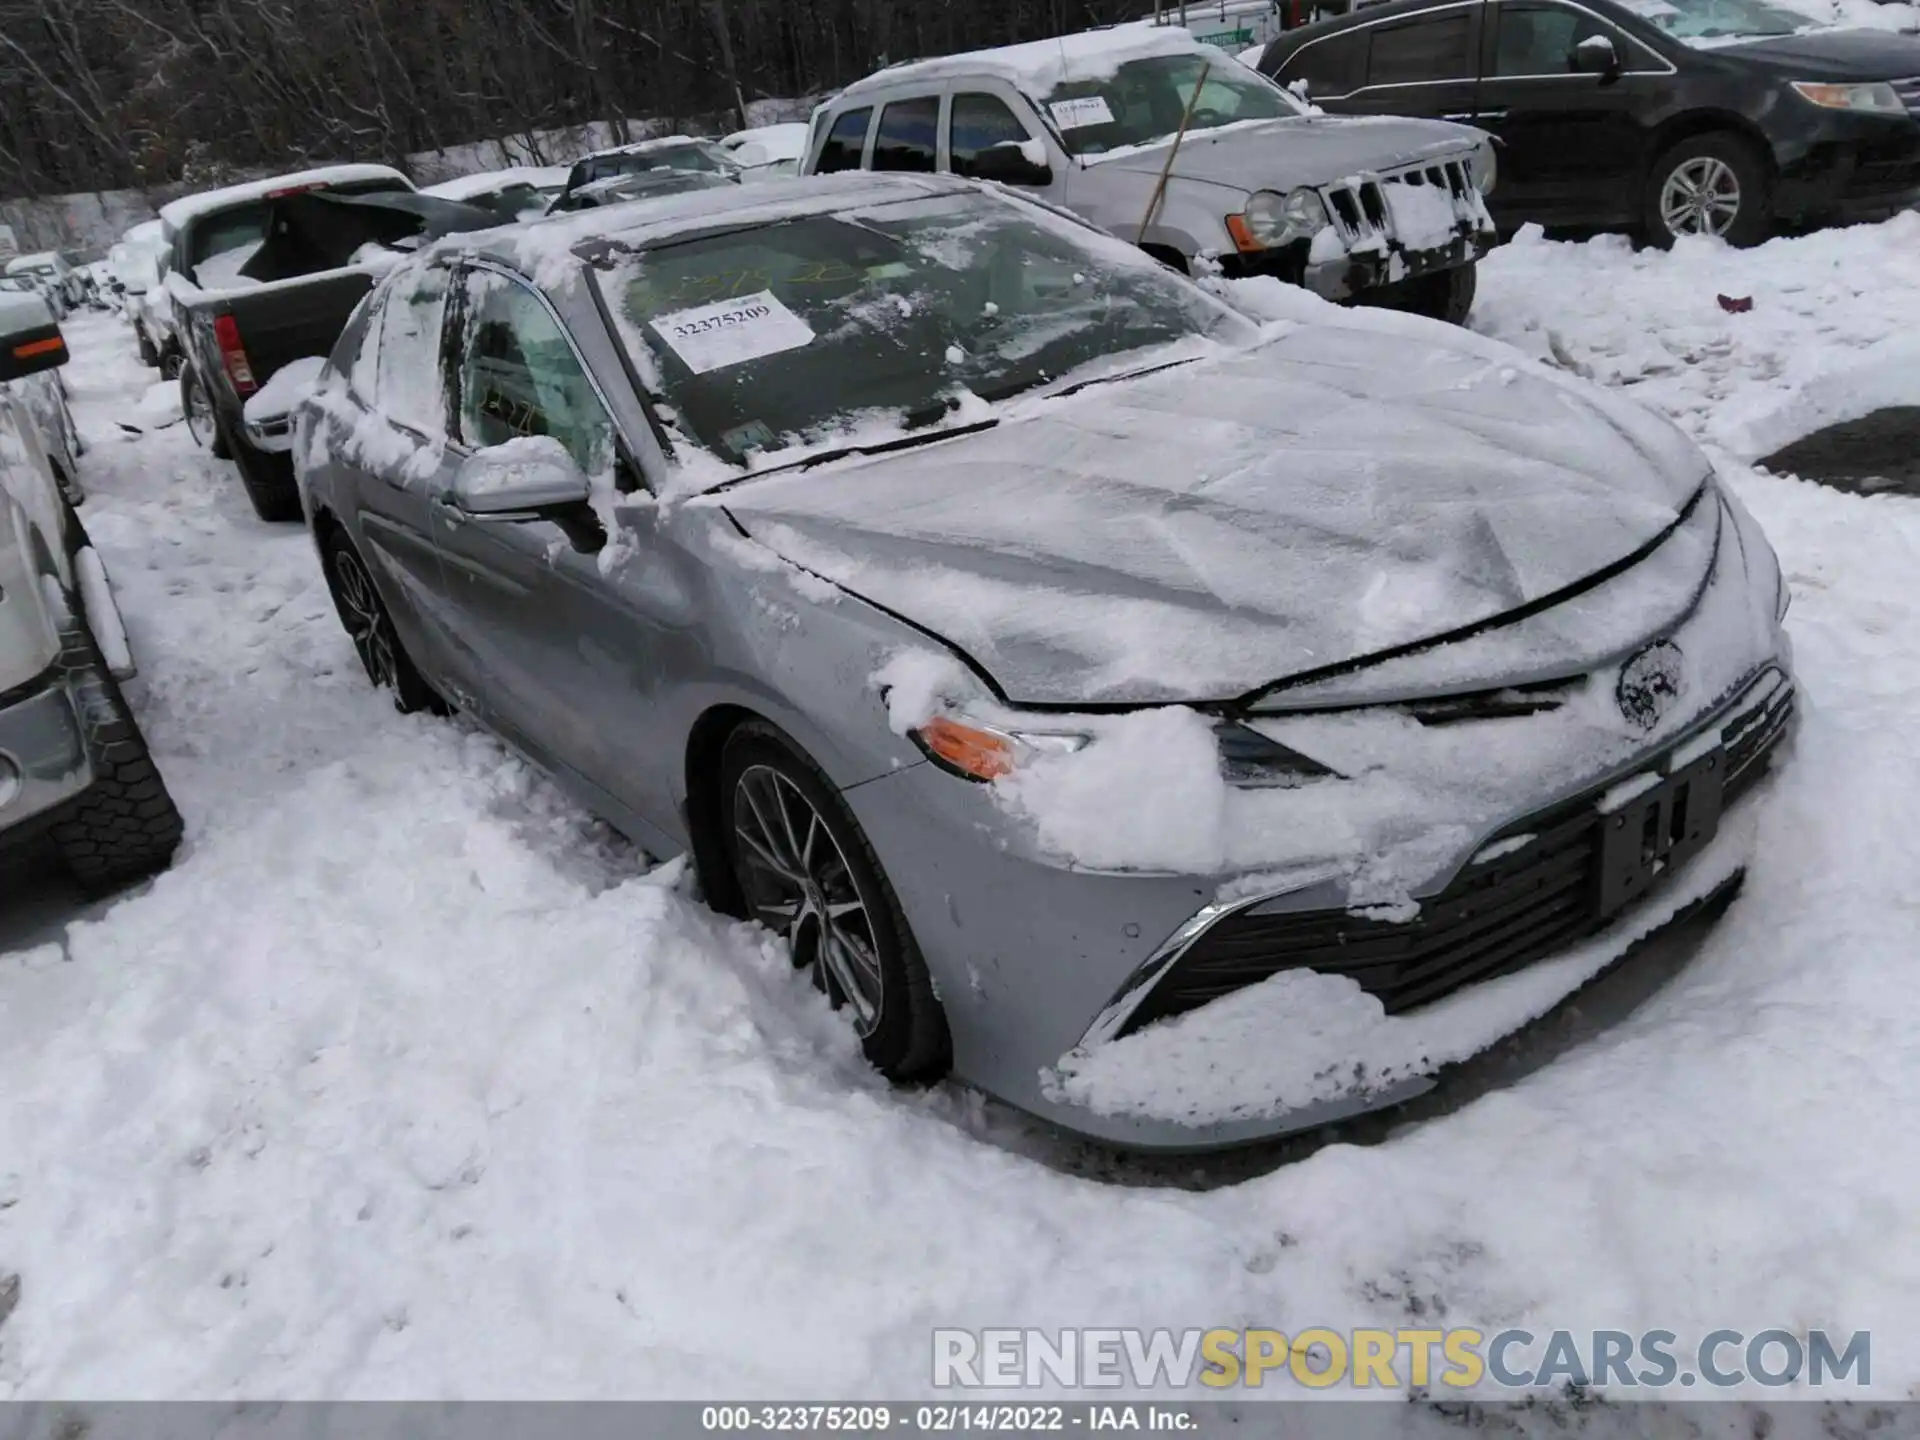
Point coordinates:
[(1184, 151)]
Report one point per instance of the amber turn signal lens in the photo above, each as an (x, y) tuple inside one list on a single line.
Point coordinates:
[(48, 346), (981, 754), (1243, 236)]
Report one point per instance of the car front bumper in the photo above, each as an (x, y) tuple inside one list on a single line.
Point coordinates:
[(1848, 166), (1039, 967), (43, 757)]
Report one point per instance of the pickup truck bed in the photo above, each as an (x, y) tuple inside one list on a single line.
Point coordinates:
[(289, 300)]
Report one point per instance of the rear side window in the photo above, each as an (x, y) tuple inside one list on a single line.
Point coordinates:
[(906, 135), (1336, 65), (844, 142), (976, 123), (411, 392), (363, 368), (1433, 48)]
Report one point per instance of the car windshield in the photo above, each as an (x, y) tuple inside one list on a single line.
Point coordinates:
[(700, 155), (912, 313), (1720, 19), (1144, 100)]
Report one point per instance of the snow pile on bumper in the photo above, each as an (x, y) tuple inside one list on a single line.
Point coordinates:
[(1301, 1038)]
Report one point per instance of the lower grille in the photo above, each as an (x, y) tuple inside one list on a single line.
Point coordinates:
[(1533, 891)]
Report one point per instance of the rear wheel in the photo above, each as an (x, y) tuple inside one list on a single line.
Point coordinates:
[(370, 627), (196, 403), (802, 867), (1714, 184), (124, 826)]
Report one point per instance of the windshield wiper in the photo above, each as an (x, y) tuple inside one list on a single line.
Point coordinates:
[(841, 452), (1079, 385)]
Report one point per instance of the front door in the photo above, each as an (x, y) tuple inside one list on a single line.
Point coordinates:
[(1572, 144), (559, 655)]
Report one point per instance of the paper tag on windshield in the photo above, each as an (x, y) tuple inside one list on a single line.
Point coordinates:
[(1073, 114), (732, 332)]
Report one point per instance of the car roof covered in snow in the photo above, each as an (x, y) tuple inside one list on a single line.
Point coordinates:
[(565, 239), (38, 260), (1039, 65), (488, 182), (190, 207), (641, 147)]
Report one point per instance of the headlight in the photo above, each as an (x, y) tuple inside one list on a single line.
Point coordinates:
[(1878, 99), (1486, 168), (1272, 219), (974, 750)]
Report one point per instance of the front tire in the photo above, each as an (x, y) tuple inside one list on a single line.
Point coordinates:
[(1714, 184), (801, 865), (369, 626)]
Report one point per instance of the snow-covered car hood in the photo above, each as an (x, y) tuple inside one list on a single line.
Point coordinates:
[(1856, 55), (1201, 532), (1305, 150)]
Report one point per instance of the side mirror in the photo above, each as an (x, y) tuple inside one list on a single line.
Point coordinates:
[(30, 339), (1595, 55), (520, 479), (1013, 162)]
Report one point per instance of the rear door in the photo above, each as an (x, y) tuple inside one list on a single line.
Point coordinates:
[(1424, 64), (1573, 144), (391, 437)]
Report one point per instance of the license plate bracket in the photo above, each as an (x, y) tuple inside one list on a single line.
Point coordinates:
[(1659, 830)]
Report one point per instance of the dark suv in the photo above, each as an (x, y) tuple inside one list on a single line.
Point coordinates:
[(1670, 117)]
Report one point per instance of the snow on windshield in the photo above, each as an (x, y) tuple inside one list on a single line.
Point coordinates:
[(923, 310)]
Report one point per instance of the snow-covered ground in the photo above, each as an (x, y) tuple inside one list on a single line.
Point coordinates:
[(410, 1080)]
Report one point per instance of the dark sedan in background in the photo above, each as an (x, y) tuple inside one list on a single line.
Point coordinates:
[(1670, 117)]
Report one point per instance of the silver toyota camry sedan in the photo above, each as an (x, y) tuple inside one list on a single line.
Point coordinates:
[(1183, 720)]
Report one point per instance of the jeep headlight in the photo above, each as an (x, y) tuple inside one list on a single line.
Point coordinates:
[(1272, 219), (1486, 168)]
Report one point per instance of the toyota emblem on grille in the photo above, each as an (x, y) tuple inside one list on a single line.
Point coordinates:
[(1650, 682)]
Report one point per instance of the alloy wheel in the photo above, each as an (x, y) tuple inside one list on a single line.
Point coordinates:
[(199, 409), (366, 618), (1701, 197), (797, 883)]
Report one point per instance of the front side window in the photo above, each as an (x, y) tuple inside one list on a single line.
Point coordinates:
[(1429, 50), (844, 142), (895, 317), (1143, 101), (977, 123), (410, 375), (1540, 39), (519, 376)]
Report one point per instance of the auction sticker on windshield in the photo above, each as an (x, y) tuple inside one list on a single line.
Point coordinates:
[(731, 332), (1073, 114)]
